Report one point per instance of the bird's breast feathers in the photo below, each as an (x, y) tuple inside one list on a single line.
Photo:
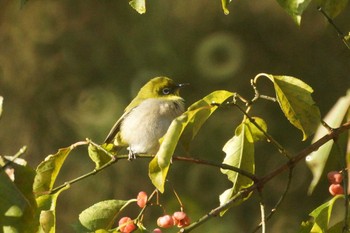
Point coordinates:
[(145, 124)]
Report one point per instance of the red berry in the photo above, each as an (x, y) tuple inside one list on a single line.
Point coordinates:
[(157, 230), (336, 189), (334, 177), (126, 225), (165, 221), (181, 219), (142, 199)]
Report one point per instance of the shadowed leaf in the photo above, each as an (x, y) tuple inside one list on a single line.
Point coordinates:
[(18, 206), (317, 160)]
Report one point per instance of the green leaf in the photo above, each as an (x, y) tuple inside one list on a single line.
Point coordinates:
[(224, 4), (333, 8), (47, 211), (187, 124), (305, 227), (17, 208), (48, 170), (102, 215), (338, 227), (256, 133), (294, 8), (200, 111), (138, 5), (98, 155), (317, 160), (294, 98), (322, 214), (239, 152)]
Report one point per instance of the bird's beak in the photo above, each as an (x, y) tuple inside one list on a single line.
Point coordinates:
[(182, 85)]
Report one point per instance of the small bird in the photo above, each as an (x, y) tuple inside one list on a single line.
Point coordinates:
[(147, 118)]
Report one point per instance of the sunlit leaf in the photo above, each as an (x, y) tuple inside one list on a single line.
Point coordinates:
[(138, 5), (239, 152), (187, 124), (317, 160), (200, 111), (256, 133), (224, 4), (322, 214), (159, 165), (294, 98), (98, 155), (48, 170), (294, 8), (102, 215), (333, 8), (47, 211), (305, 227)]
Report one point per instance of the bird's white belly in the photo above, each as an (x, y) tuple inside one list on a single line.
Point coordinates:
[(147, 123)]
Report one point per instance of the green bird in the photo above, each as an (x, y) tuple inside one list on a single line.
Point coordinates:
[(147, 118)]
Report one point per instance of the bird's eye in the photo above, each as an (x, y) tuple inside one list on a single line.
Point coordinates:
[(166, 91)]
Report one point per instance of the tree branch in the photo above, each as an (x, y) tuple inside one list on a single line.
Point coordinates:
[(262, 181)]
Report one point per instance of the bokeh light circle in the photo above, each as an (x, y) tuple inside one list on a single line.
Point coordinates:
[(219, 56)]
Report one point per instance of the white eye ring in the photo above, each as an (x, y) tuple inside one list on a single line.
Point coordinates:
[(166, 91)]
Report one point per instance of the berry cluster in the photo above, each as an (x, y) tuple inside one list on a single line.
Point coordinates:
[(335, 178), (179, 218)]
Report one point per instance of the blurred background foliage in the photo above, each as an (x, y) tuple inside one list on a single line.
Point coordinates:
[(68, 69)]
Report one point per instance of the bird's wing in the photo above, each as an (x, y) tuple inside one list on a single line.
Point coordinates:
[(115, 129)]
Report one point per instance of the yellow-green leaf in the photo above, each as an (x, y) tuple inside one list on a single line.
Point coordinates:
[(200, 111), (224, 4), (317, 160), (239, 152), (322, 214), (188, 125), (48, 170), (99, 156), (294, 98), (138, 5), (294, 8), (47, 211), (101, 215)]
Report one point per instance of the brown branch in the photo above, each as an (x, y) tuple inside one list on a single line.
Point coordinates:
[(262, 181)]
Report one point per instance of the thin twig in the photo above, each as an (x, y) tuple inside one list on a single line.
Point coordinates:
[(331, 22), (147, 204), (262, 211), (280, 200), (17, 155), (218, 165), (269, 138), (290, 164)]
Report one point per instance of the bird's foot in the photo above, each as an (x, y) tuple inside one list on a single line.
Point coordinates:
[(132, 155)]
